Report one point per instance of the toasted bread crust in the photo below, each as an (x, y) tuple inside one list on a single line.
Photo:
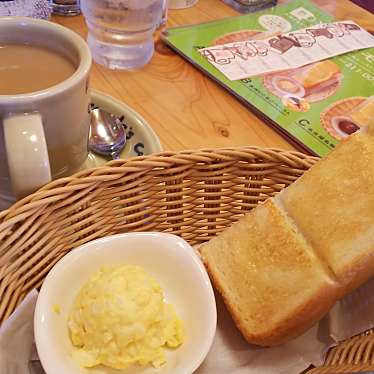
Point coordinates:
[(283, 266), (333, 207), (291, 327), (269, 309)]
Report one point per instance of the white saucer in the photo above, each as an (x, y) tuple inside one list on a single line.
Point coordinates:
[(141, 139)]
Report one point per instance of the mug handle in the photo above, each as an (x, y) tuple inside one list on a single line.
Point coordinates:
[(26, 152)]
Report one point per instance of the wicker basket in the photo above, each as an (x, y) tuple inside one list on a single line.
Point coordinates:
[(194, 194)]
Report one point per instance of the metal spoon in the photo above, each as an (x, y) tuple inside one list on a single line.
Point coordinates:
[(107, 135)]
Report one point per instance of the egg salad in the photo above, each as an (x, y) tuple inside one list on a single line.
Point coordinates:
[(120, 318)]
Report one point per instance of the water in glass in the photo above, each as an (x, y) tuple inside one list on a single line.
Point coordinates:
[(121, 31)]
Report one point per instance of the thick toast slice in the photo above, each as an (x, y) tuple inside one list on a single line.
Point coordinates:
[(273, 284), (332, 205)]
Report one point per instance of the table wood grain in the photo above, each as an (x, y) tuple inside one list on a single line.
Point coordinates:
[(185, 108)]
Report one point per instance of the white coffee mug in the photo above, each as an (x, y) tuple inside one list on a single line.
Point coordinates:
[(44, 134)]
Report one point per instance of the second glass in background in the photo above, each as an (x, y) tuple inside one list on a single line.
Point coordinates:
[(181, 4), (120, 32), (248, 6), (65, 7)]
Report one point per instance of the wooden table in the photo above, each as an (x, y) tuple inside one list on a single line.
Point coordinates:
[(184, 107)]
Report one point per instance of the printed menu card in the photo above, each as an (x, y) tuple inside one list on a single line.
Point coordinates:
[(310, 76)]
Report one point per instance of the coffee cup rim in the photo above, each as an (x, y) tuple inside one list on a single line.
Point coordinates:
[(80, 73)]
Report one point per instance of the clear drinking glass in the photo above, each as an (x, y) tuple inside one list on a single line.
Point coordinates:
[(120, 32), (65, 7)]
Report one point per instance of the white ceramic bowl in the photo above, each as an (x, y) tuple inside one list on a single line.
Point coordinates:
[(168, 258)]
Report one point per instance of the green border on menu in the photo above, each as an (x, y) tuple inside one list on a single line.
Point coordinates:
[(309, 123)]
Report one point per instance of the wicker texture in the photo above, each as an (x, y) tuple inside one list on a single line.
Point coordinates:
[(194, 194)]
